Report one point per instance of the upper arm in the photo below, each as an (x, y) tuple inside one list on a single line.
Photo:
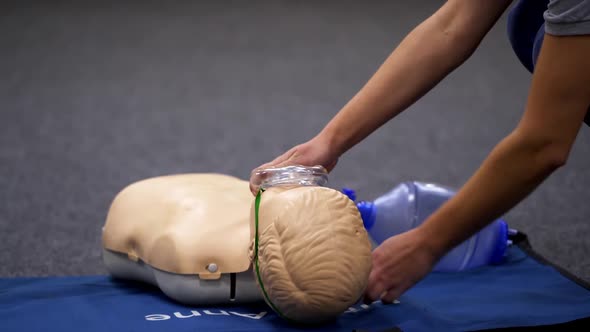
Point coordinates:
[(468, 20), (560, 92)]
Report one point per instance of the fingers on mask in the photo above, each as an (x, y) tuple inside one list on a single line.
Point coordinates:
[(374, 292), (390, 296)]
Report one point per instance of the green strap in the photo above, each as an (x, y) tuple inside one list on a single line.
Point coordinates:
[(272, 305)]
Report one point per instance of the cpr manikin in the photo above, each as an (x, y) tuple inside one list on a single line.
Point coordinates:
[(195, 236)]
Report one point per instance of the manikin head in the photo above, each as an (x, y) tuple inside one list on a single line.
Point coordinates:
[(314, 255)]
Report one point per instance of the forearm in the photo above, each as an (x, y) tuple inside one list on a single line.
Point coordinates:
[(420, 61), (512, 171), (558, 100), (428, 54)]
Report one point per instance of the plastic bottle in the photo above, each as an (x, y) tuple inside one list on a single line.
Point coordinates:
[(407, 205)]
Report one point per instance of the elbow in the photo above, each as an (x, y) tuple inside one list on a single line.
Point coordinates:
[(456, 32), (463, 38), (548, 153), (460, 45), (551, 159)]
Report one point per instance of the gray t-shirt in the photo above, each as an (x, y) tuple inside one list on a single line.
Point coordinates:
[(567, 17)]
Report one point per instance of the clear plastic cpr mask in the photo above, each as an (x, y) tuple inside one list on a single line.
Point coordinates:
[(290, 176)]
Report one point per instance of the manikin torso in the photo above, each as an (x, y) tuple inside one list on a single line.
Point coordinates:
[(187, 234), (186, 224)]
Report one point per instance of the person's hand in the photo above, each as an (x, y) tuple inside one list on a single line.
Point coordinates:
[(399, 263), (311, 153)]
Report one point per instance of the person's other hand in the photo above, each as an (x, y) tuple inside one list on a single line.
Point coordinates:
[(311, 153), (398, 263)]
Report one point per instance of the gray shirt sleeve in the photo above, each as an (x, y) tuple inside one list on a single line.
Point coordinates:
[(567, 17)]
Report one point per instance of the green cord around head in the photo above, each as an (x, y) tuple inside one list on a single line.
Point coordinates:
[(272, 305)]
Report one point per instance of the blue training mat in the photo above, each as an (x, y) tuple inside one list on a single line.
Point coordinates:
[(521, 292)]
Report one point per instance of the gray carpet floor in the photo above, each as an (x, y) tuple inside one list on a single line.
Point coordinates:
[(95, 95)]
